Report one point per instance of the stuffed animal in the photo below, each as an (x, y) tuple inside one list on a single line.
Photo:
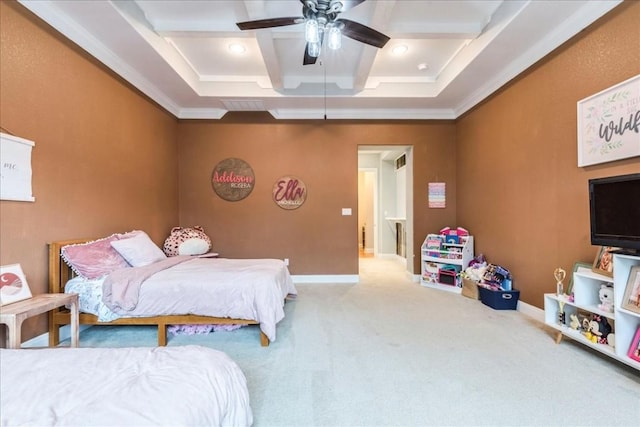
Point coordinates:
[(598, 329), (575, 323), (187, 241), (606, 298)]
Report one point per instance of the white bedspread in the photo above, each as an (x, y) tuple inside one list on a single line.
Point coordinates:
[(168, 386), (252, 289)]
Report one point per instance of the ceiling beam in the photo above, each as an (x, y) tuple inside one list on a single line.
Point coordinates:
[(380, 21)]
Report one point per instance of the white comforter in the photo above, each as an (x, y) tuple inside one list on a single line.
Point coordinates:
[(169, 386), (252, 289)]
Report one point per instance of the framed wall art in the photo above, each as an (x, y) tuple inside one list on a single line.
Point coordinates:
[(437, 195), (13, 284), (634, 348), (289, 192), (15, 169), (609, 124), (233, 179), (631, 298), (603, 264)]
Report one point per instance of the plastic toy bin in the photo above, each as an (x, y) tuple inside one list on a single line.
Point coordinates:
[(499, 300)]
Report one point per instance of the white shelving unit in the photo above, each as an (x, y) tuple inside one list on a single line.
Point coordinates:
[(458, 254), (586, 285)]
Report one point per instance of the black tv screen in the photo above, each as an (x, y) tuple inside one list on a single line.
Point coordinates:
[(615, 211)]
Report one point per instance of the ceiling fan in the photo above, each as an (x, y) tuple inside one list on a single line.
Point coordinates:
[(320, 17)]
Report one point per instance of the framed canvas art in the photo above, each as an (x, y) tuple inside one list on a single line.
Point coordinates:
[(13, 284), (608, 124), (631, 299)]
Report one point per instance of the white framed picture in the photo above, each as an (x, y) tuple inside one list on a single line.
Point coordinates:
[(13, 284), (608, 124)]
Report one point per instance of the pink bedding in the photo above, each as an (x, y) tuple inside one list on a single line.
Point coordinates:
[(252, 289), (121, 288)]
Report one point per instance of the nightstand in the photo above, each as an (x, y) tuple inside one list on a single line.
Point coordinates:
[(14, 314)]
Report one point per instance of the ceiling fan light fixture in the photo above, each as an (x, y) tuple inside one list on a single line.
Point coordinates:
[(237, 48), (320, 17), (314, 49), (334, 40), (401, 49), (312, 31)]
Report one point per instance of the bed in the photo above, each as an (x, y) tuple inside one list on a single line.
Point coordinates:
[(170, 386), (195, 291)]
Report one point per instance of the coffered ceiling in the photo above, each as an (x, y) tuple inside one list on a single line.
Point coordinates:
[(457, 53)]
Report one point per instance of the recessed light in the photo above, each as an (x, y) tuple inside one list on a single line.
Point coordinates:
[(400, 49), (237, 48), (423, 67)]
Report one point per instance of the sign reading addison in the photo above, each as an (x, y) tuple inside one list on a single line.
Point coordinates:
[(233, 179), (289, 192)]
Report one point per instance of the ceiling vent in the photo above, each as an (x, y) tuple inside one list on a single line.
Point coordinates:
[(242, 105), (401, 161)]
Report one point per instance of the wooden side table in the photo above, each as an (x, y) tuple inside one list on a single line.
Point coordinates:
[(14, 314)]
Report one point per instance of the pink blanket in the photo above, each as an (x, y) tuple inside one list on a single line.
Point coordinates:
[(121, 288)]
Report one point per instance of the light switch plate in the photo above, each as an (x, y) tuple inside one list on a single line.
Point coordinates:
[(346, 211)]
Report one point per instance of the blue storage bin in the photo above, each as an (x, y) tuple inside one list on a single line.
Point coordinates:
[(499, 300)]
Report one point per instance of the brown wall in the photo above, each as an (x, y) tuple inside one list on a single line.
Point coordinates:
[(105, 158), (519, 187), (315, 237)]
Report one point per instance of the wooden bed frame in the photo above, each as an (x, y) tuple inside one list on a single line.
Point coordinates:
[(60, 273)]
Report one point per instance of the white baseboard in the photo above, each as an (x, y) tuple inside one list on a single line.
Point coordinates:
[(531, 311)]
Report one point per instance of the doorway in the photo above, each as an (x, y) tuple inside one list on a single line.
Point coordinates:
[(385, 203), (367, 207)]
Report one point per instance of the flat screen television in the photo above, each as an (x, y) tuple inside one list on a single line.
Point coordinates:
[(615, 212)]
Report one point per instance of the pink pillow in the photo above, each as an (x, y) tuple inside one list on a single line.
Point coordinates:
[(138, 250), (93, 259)]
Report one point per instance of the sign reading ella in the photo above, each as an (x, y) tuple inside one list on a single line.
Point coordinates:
[(289, 192), (232, 179)]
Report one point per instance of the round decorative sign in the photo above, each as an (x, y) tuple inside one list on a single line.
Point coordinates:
[(289, 192), (232, 179)]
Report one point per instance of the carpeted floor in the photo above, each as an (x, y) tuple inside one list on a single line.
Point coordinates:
[(389, 352)]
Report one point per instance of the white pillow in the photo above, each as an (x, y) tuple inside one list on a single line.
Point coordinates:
[(139, 250)]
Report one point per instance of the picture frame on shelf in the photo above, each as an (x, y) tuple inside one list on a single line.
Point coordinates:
[(634, 348), (603, 263), (576, 267), (631, 298), (13, 284)]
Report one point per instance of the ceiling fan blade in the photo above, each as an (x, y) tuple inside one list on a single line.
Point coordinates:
[(308, 59), (270, 22), (363, 34)]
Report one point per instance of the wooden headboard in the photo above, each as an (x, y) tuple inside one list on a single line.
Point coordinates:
[(59, 271)]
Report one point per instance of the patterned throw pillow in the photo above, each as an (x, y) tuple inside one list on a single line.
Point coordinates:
[(93, 259)]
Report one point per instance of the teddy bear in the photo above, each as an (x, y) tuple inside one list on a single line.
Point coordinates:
[(606, 298), (187, 241)]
